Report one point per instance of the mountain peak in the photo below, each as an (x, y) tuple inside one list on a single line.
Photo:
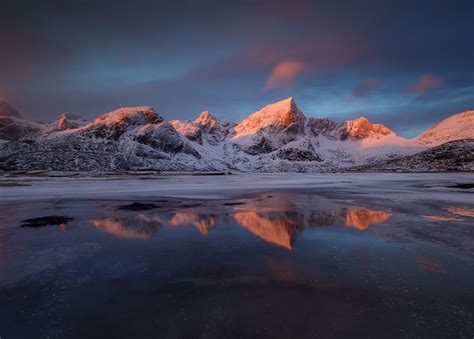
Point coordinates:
[(282, 113), (362, 128), (361, 120), (288, 103), (7, 110), (206, 119), (140, 115)]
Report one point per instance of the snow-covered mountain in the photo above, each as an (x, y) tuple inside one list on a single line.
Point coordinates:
[(278, 137), (13, 126), (272, 118), (206, 129), (456, 127)]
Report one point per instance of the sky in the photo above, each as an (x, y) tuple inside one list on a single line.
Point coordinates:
[(406, 64)]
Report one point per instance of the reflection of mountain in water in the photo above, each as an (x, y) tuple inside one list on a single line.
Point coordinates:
[(282, 228), (275, 228), (278, 220), (362, 218), (141, 226), (204, 223), (462, 211)]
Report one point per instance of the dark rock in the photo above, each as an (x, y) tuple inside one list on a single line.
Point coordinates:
[(46, 221), (138, 206)]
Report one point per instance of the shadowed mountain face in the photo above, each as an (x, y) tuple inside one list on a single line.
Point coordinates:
[(276, 138), (6, 110), (12, 126), (280, 225)]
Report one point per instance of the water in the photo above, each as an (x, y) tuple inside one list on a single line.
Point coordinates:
[(299, 263)]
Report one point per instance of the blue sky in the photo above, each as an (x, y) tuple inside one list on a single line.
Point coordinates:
[(402, 63)]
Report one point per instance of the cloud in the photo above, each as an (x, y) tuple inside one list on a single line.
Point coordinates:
[(364, 87), (284, 74), (426, 82)]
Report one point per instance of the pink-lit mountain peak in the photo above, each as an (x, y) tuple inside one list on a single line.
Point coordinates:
[(206, 119), (140, 115), (361, 128), (282, 113)]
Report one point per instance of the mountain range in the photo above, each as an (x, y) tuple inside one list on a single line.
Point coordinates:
[(277, 138)]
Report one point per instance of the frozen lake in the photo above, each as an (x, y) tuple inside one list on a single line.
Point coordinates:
[(254, 255)]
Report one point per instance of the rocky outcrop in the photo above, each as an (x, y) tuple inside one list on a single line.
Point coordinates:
[(69, 121), (361, 128)]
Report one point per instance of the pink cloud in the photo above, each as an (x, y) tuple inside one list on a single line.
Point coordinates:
[(322, 51), (365, 86), (425, 83), (284, 74)]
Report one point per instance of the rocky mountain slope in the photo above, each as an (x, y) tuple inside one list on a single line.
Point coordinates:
[(278, 137)]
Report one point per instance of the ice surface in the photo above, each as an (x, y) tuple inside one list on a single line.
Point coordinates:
[(229, 255), (397, 186)]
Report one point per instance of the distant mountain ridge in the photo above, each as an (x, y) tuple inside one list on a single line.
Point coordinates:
[(276, 138)]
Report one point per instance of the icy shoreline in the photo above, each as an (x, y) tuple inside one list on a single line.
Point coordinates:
[(127, 186)]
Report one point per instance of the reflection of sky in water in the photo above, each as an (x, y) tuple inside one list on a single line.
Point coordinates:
[(267, 254)]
